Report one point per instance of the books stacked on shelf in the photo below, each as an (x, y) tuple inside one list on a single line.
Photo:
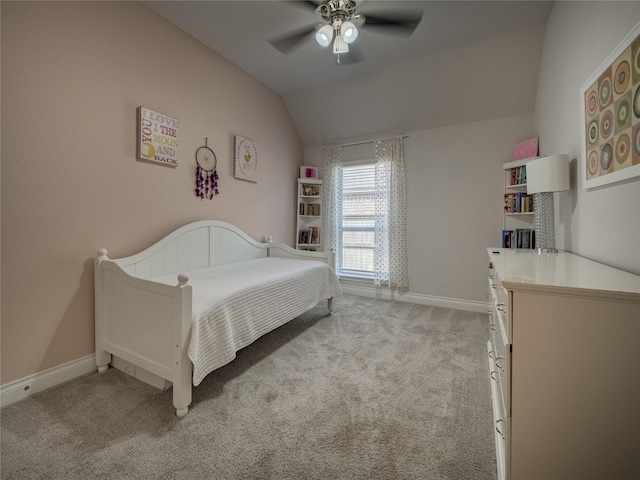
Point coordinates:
[(309, 236), (518, 203), (309, 209), (519, 238), (518, 175)]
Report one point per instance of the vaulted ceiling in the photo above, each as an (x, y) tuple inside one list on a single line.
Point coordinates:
[(466, 61)]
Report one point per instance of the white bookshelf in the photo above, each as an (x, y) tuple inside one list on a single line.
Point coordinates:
[(309, 214)]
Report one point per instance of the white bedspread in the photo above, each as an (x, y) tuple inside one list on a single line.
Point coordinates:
[(234, 305)]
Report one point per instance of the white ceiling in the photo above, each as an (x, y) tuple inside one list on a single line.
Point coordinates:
[(316, 88)]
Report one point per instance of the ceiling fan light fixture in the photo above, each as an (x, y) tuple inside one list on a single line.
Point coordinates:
[(324, 35), (339, 45), (349, 32)]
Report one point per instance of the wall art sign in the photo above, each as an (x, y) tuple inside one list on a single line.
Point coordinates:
[(246, 159), (610, 108), (157, 137)]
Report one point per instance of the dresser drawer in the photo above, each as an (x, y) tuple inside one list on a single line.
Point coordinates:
[(501, 421), (499, 343), (500, 300), (499, 368)]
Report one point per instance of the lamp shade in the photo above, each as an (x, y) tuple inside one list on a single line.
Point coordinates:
[(349, 32), (324, 35), (339, 45), (548, 174)]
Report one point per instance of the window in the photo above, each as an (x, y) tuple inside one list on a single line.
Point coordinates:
[(357, 228), (365, 214)]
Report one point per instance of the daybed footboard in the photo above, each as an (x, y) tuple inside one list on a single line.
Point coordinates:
[(145, 323)]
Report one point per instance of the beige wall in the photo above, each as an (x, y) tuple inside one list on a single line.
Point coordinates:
[(454, 202), (73, 75), (604, 223)]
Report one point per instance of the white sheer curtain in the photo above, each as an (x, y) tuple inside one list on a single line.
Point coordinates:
[(390, 251), (332, 198), (390, 255)]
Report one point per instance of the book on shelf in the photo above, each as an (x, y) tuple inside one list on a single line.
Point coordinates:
[(309, 236), (518, 175), (309, 209), (314, 235), (518, 203), (519, 238)]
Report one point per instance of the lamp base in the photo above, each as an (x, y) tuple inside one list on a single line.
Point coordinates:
[(544, 221)]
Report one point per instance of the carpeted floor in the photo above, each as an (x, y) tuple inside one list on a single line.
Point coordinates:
[(379, 390)]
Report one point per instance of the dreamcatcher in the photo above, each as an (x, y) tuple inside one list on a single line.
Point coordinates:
[(206, 175)]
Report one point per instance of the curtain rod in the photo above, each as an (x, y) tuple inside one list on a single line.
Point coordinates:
[(365, 142)]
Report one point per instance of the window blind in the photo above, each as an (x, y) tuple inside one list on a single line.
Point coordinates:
[(358, 220)]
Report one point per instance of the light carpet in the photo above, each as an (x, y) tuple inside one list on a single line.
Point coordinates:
[(378, 390)]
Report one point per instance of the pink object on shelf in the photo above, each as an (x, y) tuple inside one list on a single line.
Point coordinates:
[(526, 149)]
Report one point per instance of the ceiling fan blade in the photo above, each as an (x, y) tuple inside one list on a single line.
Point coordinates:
[(358, 20), (291, 41), (401, 24), (306, 4)]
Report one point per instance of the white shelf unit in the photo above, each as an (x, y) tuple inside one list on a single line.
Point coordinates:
[(522, 216), (309, 214)]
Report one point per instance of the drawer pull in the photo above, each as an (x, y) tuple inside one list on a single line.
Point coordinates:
[(498, 430), (501, 309), (493, 355)]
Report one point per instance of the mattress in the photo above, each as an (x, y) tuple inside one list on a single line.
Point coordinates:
[(235, 304)]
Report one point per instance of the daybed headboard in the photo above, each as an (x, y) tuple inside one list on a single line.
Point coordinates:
[(198, 245)]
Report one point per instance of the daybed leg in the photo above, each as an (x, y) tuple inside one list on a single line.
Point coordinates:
[(330, 304), (182, 395), (181, 412), (182, 372), (103, 359)]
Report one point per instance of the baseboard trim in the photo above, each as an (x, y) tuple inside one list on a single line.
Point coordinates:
[(444, 302), (17, 390)]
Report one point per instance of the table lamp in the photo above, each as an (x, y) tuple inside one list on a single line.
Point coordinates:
[(546, 175)]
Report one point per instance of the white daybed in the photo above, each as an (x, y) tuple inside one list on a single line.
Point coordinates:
[(184, 306)]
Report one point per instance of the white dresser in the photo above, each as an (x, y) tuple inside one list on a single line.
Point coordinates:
[(564, 360)]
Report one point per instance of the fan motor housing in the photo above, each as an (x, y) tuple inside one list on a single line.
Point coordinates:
[(337, 10)]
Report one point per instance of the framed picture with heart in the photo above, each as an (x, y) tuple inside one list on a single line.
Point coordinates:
[(246, 159)]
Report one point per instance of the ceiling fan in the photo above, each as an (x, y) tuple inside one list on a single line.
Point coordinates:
[(341, 26)]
